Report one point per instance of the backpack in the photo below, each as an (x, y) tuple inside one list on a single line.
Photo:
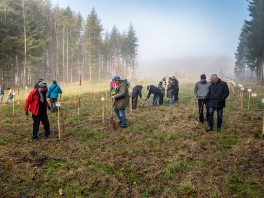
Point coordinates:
[(127, 83)]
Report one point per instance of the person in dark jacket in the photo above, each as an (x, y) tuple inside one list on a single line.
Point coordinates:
[(36, 85), (121, 100), (175, 88), (217, 94), (53, 93), (37, 103), (170, 90), (155, 91), (135, 93), (201, 89), (162, 92)]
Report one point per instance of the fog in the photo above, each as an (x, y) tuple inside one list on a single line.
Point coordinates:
[(180, 37), (186, 67)]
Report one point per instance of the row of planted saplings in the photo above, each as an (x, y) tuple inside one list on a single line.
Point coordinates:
[(251, 96)]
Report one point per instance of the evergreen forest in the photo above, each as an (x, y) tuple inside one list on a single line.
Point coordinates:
[(38, 39), (250, 50)]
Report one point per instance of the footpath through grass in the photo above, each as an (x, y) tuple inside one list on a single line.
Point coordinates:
[(163, 152)]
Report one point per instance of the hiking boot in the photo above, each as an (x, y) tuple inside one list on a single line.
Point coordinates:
[(201, 122), (124, 126), (218, 129), (209, 129)]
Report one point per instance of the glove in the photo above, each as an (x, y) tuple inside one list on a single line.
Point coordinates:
[(49, 107), (26, 113)]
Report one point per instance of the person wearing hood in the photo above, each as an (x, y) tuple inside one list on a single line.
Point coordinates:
[(121, 100), (217, 94), (201, 89), (53, 93), (37, 103), (155, 91), (135, 93)]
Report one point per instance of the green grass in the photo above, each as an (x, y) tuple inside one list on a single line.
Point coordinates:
[(162, 153)]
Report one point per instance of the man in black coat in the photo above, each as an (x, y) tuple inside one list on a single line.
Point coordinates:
[(175, 88), (217, 94), (135, 93), (155, 91)]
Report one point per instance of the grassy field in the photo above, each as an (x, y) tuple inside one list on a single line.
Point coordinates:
[(163, 153)]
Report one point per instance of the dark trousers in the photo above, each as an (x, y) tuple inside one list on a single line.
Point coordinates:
[(175, 94), (134, 103), (53, 107), (219, 117), (43, 117), (201, 104), (160, 100)]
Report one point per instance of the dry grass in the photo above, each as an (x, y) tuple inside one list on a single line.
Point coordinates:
[(163, 153)]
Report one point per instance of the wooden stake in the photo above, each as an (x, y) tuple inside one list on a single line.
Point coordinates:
[(242, 93), (59, 119), (263, 126), (248, 98), (102, 100), (130, 97), (94, 93), (79, 101), (253, 110)]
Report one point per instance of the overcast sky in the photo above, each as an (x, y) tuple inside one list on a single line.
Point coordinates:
[(170, 31)]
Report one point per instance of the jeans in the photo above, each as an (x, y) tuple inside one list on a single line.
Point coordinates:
[(53, 107), (43, 117), (154, 101), (11, 101), (170, 101), (121, 114), (219, 117), (201, 107)]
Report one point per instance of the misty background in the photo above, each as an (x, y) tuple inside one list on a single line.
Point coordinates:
[(175, 37)]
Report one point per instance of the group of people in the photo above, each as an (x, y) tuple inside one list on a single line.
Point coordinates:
[(172, 89), (9, 96), (212, 95)]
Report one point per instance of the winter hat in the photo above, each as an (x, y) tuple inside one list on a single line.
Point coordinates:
[(203, 76), (41, 79), (116, 78), (42, 84), (141, 86), (54, 81), (173, 77)]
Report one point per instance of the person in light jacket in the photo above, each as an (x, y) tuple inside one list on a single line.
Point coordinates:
[(53, 93), (201, 89)]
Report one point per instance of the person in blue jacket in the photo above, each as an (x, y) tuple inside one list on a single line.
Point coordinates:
[(155, 91), (53, 93)]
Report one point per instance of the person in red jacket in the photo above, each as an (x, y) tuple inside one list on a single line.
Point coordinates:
[(37, 103)]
